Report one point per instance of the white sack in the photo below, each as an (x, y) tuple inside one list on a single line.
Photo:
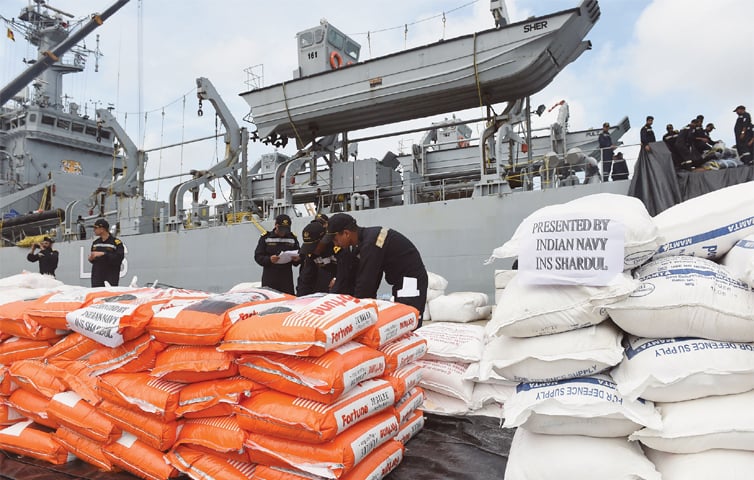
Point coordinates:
[(436, 282), (502, 277), (433, 293), (490, 393), (588, 406), (30, 280), (687, 297), (446, 378), (708, 225), (678, 369), (454, 342), (740, 260), (460, 307), (532, 310), (727, 464), (703, 424), (549, 358), (573, 457)]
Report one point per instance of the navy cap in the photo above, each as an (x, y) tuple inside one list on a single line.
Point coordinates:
[(311, 236), (339, 222), (101, 222), (283, 221), (740, 106), (321, 218)]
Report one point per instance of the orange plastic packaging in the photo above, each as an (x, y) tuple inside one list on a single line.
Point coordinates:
[(38, 377), (14, 349), (218, 434), (393, 321), (7, 386), (14, 321), (413, 425), (197, 397), (332, 459), (189, 364), (322, 379), (383, 460), (137, 355), (33, 406), (150, 429), (404, 379), (285, 416), (204, 322), (403, 351), (50, 310), (84, 448), (406, 406), (73, 346), (72, 411), (135, 456), (201, 465), (140, 390), (23, 439), (9, 415), (79, 377), (306, 326)]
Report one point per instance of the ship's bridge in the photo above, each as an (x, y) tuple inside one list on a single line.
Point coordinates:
[(324, 48)]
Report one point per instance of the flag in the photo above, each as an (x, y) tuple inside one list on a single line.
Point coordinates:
[(10, 35)]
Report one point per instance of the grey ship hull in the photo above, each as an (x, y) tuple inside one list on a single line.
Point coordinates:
[(455, 237)]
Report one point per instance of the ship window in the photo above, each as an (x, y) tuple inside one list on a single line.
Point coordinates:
[(91, 131), (78, 127), (306, 39), (336, 39), (48, 120), (65, 124), (319, 35), (352, 50), (105, 134), (32, 117)]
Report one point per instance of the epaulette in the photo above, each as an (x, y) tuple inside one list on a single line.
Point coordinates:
[(381, 238)]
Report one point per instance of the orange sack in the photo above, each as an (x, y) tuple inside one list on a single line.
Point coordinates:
[(218, 434), (332, 459), (79, 377), (84, 448), (14, 321), (413, 425), (322, 379), (9, 415), (73, 346), (50, 310), (140, 390), (403, 351), (15, 348), (306, 326), (72, 411), (133, 455), (206, 466), (33, 406), (194, 363), (406, 406), (383, 460), (38, 377), (204, 322), (404, 379), (7, 386), (23, 439), (200, 396), (393, 321), (285, 416), (150, 429)]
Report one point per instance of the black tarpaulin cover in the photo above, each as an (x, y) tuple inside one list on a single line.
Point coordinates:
[(448, 448)]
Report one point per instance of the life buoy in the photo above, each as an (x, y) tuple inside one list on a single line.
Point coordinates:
[(336, 61)]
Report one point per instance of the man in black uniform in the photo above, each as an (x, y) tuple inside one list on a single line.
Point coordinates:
[(106, 255), (684, 145), (379, 251), (606, 148), (744, 135), (669, 138), (47, 257), (277, 272), (647, 135), (318, 265)]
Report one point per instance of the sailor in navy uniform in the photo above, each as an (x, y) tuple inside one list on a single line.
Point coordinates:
[(318, 262), (378, 251), (106, 255), (744, 135), (647, 135), (46, 256), (606, 147), (277, 272)]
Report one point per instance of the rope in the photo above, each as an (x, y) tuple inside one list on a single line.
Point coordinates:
[(290, 119), (406, 25)]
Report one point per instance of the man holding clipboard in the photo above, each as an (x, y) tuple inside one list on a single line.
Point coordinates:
[(277, 253)]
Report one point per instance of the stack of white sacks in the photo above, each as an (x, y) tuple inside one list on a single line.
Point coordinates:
[(589, 394)]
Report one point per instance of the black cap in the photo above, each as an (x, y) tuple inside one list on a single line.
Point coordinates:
[(48, 239), (619, 155), (311, 236), (740, 106), (339, 222), (606, 124), (101, 222), (321, 218), (283, 222)]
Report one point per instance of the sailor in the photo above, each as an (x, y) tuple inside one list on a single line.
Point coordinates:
[(381, 250), (744, 135), (106, 255), (620, 168), (702, 140), (606, 146), (683, 145), (277, 266), (46, 256), (318, 261), (669, 138), (647, 135)]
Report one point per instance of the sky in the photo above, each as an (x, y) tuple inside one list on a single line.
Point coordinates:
[(672, 59)]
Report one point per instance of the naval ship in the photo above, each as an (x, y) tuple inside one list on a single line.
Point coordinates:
[(455, 196)]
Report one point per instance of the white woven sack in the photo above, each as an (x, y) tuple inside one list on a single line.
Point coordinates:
[(533, 310), (454, 342), (678, 369), (574, 457), (482, 372), (740, 260), (549, 358), (433, 293), (588, 406), (703, 424), (30, 280), (436, 282), (641, 238), (502, 277), (435, 402), (490, 393), (446, 378), (709, 225), (736, 464), (687, 297), (460, 307)]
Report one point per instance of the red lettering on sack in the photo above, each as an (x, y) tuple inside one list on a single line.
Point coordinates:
[(355, 415), (245, 315), (337, 301), (389, 431), (406, 323), (341, 333), (390, 465)]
